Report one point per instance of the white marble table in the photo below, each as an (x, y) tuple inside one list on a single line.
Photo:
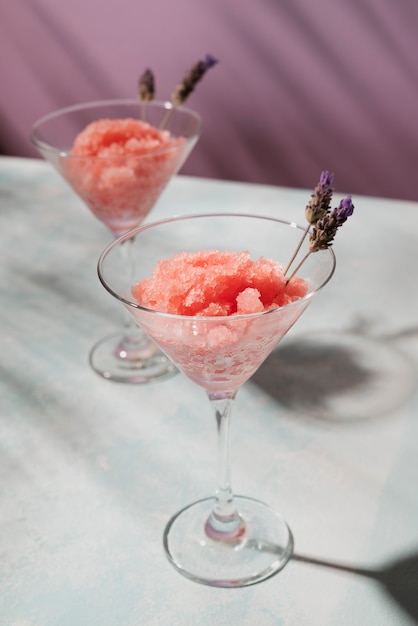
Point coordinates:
[(90, 470)]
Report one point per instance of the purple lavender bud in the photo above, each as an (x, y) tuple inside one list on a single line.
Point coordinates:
[(323, 223), (326, 179), (210, 61), (325, 229), (319, 204), (146, 86), (344, 210), (193, 76)]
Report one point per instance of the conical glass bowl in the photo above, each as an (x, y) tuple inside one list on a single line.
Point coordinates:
[(120, 186)]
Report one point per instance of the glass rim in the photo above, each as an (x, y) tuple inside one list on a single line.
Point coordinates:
[(131, 234), (164, 104)]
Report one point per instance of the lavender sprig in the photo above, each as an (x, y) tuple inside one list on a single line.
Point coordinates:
[(192, 77), (317, 208), (325, 229), (320, 202), (146, 86), (146, 90)]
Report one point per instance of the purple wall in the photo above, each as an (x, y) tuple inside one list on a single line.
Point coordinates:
[(302, 85)]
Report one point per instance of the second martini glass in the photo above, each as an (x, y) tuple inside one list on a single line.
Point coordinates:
[(120, 190), (224, 541)]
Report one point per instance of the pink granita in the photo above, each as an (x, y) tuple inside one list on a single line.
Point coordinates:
[(120, 168), (214, 340), (214, 283)]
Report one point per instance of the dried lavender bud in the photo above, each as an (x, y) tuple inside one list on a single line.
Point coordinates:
[(193, 76), (146, 86), (344, 210), (324, 231), (319, 204), (326, 179), (317, 208)]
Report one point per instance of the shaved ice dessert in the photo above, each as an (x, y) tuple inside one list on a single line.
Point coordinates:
[(119, 167), (126, 150), (215, 283), (217, 342)]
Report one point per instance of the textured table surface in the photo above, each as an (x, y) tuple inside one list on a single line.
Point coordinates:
[(90, 471)]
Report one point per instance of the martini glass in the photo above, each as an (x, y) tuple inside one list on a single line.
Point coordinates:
[(120, 190), (224, 540)]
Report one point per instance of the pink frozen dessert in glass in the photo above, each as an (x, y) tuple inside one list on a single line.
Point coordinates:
[(134, 162), (119, 155), (219, 286), (214, 283), (212, 294), (218, 311)]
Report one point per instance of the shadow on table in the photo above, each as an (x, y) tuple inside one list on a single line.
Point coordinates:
[(399, 579), (338, 376)]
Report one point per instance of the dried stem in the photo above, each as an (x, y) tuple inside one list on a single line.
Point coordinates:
[(297, 268), (166, 118), (144, 111), (296, 252)]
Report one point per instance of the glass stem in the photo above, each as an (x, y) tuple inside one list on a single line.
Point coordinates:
[(134, 345), (224, 523), (131, 328), (127, 255)]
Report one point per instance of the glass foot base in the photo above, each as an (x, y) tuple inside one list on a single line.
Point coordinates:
[(134, 360), (260, 552)]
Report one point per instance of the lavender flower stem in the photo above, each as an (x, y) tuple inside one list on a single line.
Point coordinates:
[(324, 222), (146, 91), (144, 111), (299, 265), (296, 252), (166, 118)]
